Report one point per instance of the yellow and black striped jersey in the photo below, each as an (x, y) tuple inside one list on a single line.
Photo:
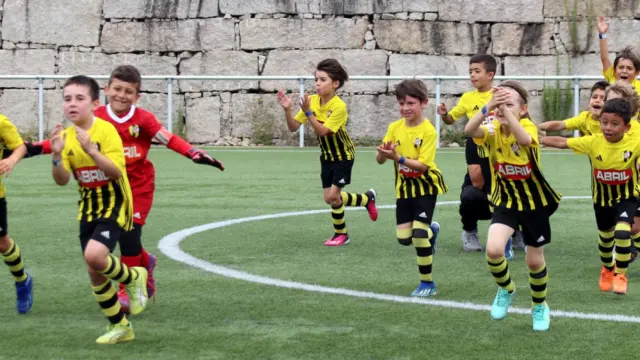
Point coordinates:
[(333, 115), (614, 167), (100, 197), (11, 139), (519, 182), (417, 143)]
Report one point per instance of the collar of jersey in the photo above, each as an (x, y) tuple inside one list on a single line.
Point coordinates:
[(124, 119)]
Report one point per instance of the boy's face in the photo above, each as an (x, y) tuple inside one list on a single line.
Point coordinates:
[(596, 102), (411, 108), (625, 71), (324, 84), (479, 75), (78, 106), (613, 127), (121, 95)]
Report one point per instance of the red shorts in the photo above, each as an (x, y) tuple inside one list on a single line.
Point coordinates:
[(142, 206)]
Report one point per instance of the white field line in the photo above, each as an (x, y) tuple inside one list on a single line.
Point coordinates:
[(170, 246)]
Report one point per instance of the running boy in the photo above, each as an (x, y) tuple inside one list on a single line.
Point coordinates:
[(327, 115), (92, 151), (626, 66), (522, 196), (411, 144), (614, 159), (476, 187), (137, 128)]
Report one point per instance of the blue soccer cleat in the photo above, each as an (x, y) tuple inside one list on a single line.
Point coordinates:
[(508, 250), (501, 304), (541, 318), (24, 292), (435, 228), (425, 289)]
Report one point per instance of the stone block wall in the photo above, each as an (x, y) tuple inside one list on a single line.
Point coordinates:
[(288, 37)]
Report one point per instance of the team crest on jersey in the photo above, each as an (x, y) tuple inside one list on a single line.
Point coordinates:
[(134, 131), (516, 149), (627, 155), (417, 142)]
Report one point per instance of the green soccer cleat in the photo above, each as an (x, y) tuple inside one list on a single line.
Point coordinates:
[(116, 333), (137, 290), (541, 318), (501, 304)]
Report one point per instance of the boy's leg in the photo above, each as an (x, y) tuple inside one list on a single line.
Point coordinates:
[(502, 226), (474, 206), (13, 259), (335, 176), (622, 237), (341, 177), (606, 221), (419, 211)]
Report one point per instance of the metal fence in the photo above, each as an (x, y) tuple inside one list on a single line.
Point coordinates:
[(301, 79)]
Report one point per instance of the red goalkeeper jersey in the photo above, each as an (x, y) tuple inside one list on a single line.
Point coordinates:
[(137, 129)]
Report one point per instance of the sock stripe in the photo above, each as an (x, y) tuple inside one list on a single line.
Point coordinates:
[(108, 301), (9, 252), (499, 269)]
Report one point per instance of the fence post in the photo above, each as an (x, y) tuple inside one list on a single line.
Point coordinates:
[(40, 109), (170, 105), (576, 102), (437, 115), (301, 81)]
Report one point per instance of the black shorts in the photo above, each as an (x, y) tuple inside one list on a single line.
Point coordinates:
[(608, 217), (104, 231), (3, 217), (419, 209), (336, 173), (534, 225)]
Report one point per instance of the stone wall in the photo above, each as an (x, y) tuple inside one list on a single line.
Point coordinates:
[(288, 37)]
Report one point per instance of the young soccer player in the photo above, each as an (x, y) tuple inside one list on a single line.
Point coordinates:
[(614, 159), (522, 196), (137, 128), (587, 122), (327, 114), (8, 248), (476, 187), (411, 144), (92, 151), (626, 66)]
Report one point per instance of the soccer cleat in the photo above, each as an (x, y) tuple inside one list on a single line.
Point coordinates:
[(508, 250), (518, 240), (435, 229), (501, 304), (540, 316), (117, 333), (337, 240), (137, 290), (371, 205), (425, 289), (620, 284), (123, 299), (24, 291), (606, 279), (151, 281), (470, 241)]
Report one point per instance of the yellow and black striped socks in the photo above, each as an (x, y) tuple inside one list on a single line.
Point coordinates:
[(538, 282), (606, 249), (108, 300), (421, 235), (337, 216), (404, 236), (349, 199), (118, 271), (500, 271), (622, 237), (13, 259)]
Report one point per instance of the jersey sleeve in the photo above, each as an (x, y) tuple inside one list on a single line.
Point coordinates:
[(337, 119), (460, 108), (300, 117), (428, 148), (112, 147), (151, 126), (10, 136), (580, 145), (574, 123), (609, 75), (532, 130)]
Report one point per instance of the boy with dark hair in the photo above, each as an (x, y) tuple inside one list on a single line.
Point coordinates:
[(92, 151), (614, 157), (476, 188), (326, 113), (411, 144), (137, 128)]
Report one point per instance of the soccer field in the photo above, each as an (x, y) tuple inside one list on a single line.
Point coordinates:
[(359, 308)]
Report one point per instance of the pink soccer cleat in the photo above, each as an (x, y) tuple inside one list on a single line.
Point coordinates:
[(337, 240)]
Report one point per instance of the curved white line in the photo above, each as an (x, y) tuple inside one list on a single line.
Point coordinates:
[(170, 246)]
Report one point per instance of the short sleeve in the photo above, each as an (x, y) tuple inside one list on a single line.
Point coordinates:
[(574, 123), (301, 117), (151, 126), (459, 110), (532, 130), (580, 145), (10, 136), (337, 119), (609, 75), (111, 146), (428, 148)]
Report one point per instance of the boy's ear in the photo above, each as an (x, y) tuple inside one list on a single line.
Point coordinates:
[(524, 110), (492, 74)]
